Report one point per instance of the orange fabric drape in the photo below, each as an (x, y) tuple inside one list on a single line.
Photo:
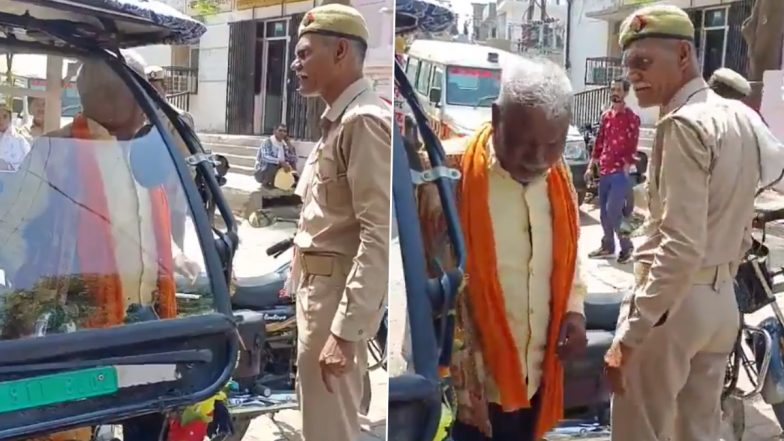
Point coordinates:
[(95, 242), (484, 289)]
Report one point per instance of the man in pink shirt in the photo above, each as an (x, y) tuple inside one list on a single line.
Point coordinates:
[(614, 150)]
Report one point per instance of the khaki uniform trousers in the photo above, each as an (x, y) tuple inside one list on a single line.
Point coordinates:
[(674, 380), (325, 416)]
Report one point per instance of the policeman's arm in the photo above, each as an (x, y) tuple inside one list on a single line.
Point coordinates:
[(685, 174), (366, 147)]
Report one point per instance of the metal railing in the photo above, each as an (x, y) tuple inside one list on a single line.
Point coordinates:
[(589, 105), (180, 100), (180, 79), (600, 71)]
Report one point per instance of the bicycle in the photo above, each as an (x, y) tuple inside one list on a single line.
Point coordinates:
[(755, 355)]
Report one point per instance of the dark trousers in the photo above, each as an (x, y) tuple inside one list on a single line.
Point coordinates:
[(507, 426), (613, 199), (266, 176)]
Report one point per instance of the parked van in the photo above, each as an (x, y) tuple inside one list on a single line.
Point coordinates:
[(457, 84)]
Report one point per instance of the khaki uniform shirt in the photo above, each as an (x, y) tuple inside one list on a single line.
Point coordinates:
[(345, 210), (703, 174)]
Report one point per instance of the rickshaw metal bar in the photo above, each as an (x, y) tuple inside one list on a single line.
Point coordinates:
[(762, 372), (70, 6), (433, 174), (54, 89), (21, 91), (169, 357)]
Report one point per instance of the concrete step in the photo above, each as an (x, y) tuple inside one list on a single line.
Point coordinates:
[(235, 160), (241, 169), (229, 149), (235, 140)]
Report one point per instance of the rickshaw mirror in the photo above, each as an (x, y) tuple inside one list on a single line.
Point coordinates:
[(435, 95), (222, 167)]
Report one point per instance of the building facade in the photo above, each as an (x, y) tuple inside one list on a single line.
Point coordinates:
[(244, 84), (594, 57)]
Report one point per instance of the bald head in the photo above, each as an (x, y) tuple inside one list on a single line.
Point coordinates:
[(106, 97)]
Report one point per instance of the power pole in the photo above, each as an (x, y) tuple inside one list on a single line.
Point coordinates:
[(543, 10), (763, 32)]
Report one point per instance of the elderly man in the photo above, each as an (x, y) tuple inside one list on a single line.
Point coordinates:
[(678, 326), (522, 309), (342, 243), (87, 161)]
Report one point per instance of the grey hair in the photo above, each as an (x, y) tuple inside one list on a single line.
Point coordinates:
[(536, 83)]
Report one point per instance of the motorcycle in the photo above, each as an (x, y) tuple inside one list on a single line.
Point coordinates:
[(264, 381)]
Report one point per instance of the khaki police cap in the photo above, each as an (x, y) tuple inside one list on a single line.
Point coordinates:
[(336, 20), (662, 21), (731, 79)]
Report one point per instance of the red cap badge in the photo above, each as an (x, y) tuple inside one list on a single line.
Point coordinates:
[(638, 23), (309, 18)]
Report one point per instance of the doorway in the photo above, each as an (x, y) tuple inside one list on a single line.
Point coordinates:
[(274, 67)]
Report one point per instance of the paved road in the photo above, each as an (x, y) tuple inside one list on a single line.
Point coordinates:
[(251, 260), (601, 276)]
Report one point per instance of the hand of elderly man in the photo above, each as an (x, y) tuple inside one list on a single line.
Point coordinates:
[(572, 340)]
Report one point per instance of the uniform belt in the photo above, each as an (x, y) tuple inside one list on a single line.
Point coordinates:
[(325, 265), (710, 275), (713, 275)]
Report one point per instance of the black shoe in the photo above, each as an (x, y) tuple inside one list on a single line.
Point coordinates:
[(601, 253), (625, 257)]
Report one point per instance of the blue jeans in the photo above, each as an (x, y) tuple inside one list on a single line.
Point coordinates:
[(613, 200)]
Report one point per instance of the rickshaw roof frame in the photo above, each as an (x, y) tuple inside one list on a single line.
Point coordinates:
[(110, 19)]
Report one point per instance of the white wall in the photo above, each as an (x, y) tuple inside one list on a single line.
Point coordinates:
[(157, 55), (209, 106), (588, 38)]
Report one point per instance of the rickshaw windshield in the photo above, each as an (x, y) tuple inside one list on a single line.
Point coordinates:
[(96, 227)]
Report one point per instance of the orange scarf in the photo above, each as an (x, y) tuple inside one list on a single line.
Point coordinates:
[(484, 289), (95, 241)]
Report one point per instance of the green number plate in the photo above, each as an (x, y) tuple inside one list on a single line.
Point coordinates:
[(57, 388)]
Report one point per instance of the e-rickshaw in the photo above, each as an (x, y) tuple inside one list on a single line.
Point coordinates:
[(103, 227)]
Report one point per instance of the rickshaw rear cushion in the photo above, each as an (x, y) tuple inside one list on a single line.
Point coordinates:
[(601, 310), (584, 379), (251, 326), (414, 401), (258, 293)]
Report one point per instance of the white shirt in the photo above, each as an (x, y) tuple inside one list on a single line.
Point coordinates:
[(523, 237), (771, 153), (280, 148), (13, 148)]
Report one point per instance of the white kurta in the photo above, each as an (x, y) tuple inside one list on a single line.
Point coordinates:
[(523, 235), (13, 148)]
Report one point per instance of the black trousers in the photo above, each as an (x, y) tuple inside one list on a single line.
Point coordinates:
[(507, 426)]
